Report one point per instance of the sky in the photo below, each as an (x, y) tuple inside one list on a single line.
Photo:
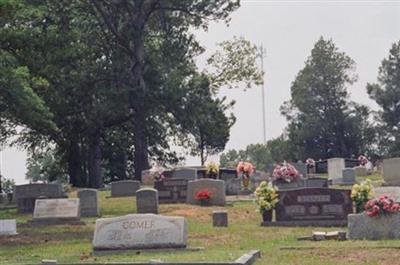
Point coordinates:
[(364, 30)]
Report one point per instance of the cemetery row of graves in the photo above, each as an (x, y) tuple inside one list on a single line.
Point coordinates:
[(299, 213)]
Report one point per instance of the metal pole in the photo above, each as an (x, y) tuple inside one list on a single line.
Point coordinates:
[(263, 93)]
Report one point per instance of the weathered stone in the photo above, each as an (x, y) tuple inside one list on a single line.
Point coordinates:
[(233, 186), (391, 192), (148, 177), (8, 227), (391, 171), (27, 194), (361, 226), (361, 171), (349, 176), (319, 236), (89, 202), (316, 182), (124, 188), (220, 218), (184, 173), (335, 167), (215, 187), (313, 206), (140, 231), (147, 200), (56, 210), (171, 190)]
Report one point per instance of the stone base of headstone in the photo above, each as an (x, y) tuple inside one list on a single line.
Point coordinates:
[(302, 223), (220, 218), (145, 250), (361, 226)]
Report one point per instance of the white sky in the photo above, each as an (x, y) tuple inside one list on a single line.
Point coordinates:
[(364, 30)]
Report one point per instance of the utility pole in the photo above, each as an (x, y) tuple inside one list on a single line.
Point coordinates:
[(261, 54)]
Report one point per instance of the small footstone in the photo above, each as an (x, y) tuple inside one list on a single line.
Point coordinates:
[(318, 236), (220, 218)]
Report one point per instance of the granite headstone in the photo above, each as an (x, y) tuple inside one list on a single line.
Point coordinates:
[(361, 226), (147, 200), (89, 202), (140, 231), (124, 188), (215, 187), (171, 190), (391, 171), (27, 194)]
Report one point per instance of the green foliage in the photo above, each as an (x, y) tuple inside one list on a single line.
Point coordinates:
[(7, 185), (386, 93), (45, 166), (322, 121)]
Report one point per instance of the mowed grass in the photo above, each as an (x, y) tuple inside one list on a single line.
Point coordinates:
[(278, 245)]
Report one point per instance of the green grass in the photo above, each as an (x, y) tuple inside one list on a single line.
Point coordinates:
[(278, 245)]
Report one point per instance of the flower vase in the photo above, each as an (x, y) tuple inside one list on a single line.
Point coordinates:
[(246, 181), (267, 215), (359, 207)]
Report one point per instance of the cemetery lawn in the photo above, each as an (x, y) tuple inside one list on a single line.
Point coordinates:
[(278, 245)]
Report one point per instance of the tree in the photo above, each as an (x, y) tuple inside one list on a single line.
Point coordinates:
[(386, 93), (46, 166), (320, 115)]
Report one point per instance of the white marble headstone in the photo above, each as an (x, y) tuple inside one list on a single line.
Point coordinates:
[(56, 209), (139, 231), (335, 167), (8, 227)]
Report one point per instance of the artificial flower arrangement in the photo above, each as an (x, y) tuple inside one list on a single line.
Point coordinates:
[(245, 170), (204, 196), (266, 197), (381, 206), (212, 169), (310, 162), (361, 193), (363, 160), (285, 172)]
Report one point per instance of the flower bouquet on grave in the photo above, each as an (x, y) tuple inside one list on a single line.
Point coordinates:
[(266, 200), (382, 206), (363, 160), (245, 170), (204, 197), (361, 193), (212, 169), (285, 172)]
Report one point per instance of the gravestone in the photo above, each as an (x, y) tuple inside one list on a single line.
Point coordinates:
[(391, 171), (27, 194), (215, 187), (361, 171), (8, 227), (233, 186), (349, 176), (171, 190), (301, 167), (220, 218), (350, 162), (316, 182), (124, 188), (56, 210), (89, 202), (283, 185), (140, 231), (147, 200), (312, 207), (335, 167), (184, 173), (391, 192), (232, 182), (147, 177), (321, 167), (361, 226)]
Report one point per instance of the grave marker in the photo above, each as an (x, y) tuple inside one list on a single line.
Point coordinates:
[(184, 173), (171, 190), (140, 231), (312, 207), (215, 187), (124, 188), (361, 226), (391, 171), (8, 227), (335, 167), (57, 210), (27, 194), (147, 200), (89, 202), (349, 176)]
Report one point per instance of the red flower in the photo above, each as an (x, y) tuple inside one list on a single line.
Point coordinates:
[(203, 195)]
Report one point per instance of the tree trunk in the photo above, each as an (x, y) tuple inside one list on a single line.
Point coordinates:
[(74, 165), (94, 161), (137, 97)]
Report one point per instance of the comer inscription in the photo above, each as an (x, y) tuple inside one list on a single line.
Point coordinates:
[(140, 231), (313, 207)]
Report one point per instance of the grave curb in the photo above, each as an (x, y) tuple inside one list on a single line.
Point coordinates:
[(246, 259)]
